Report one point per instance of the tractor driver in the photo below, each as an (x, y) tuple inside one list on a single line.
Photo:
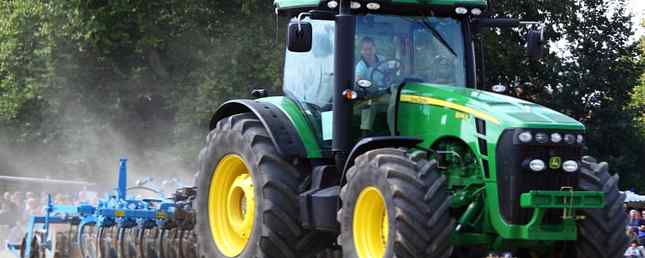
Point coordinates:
[(369, 60)]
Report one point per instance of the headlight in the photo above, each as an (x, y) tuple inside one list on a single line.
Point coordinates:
[(541, 137), (461, 10), (580, 139), (569, 138), (570, 166), (536, 165), (354, 5), (332, 4), (373, 6), (525, 137), (556, 137)]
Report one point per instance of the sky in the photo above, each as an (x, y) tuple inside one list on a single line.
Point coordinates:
[(638, 9)]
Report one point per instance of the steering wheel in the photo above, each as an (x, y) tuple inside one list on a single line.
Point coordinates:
[(388, 69)]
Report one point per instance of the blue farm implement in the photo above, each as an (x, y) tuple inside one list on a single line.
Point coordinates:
[(119, 226)]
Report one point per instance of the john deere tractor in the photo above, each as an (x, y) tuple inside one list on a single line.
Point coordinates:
[(385, 144)]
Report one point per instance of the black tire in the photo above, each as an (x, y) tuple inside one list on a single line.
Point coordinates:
[(277, 230), (416, 199), (602, 233)]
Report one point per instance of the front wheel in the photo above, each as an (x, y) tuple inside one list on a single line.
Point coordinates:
[(395, 206), (602, 233)]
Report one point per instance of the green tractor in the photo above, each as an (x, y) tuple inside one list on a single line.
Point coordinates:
[(383, 146)]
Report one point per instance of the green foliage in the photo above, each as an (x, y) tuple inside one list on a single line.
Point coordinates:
[(88, 81), (24, 54), (637, 103)]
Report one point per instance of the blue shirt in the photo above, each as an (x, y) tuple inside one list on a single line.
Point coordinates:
[(363, 70)]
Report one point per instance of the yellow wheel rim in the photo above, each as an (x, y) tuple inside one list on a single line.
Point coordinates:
[(231, 205), (370, 224)]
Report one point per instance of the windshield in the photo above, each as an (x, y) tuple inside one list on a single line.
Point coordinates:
[(390, 49)]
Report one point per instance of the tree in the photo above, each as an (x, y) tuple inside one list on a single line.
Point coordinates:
[(140, 78), (637, 103), (589, 79)]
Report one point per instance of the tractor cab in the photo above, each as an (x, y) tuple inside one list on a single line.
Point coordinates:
[(387, 51)]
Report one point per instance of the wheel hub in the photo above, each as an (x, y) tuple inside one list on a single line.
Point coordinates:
[(231, 205), (241, 208), (370, 224)]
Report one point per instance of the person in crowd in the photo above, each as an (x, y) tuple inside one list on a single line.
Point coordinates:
[(30, 195), (16, 233), (635, 220), (633, 236), (18, 204), (641, 234), (633, 251), (33, 207), (6, 196), (59, 198), (19, 200), (6, 214)]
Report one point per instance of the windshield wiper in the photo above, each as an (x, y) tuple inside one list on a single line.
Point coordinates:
[(438, 36)]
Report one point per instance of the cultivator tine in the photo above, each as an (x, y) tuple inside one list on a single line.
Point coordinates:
[(167, 244), (36, 249), (62, 243), (106, 243), (126, 246), (140, 248), (188, 244), (87, 241), (73, 248), (146, 240)]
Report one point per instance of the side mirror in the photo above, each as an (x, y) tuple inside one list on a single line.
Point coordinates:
[(535, 43), (299, 37)]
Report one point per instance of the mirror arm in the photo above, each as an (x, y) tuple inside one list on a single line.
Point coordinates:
[(300, 17)]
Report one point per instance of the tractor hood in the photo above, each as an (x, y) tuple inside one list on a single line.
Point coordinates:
[(505, 111)]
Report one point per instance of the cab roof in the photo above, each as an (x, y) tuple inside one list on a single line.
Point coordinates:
[(291, 7)]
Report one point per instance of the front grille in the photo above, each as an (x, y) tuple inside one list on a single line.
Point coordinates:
[(515, 178)]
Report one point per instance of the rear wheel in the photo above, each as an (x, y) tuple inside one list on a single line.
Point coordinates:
[(394, 206), (248, 195), (602, 233)]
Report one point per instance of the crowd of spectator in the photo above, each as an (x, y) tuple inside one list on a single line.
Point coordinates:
[(636, 232)]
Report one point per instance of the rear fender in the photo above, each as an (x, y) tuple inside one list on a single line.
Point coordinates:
[(283, 134)]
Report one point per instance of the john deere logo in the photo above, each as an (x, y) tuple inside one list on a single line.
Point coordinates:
[(554, 162)]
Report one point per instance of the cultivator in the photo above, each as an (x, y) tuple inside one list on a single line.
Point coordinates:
[(120, 226)]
